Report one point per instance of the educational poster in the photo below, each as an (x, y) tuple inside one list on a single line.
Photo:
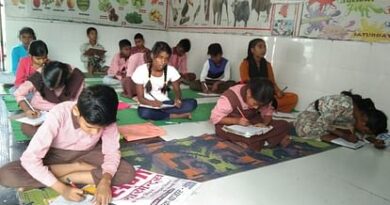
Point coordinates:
[(128, 13), (221, 15), (286, 19), (360, 20)]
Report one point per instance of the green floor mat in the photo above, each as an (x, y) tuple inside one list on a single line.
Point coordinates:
[(127, 100), (89, 75), (17, 132), (10, 103), (185, 93), (130, 116)]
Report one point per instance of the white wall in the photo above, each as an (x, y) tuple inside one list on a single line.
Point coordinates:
[(309, 67)]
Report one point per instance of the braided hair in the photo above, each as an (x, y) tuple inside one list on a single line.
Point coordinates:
[(255, 71), (158, 47)]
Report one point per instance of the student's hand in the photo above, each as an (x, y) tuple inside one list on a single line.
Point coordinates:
[(260, 125), (243, 121), (215, 86), (32, 114), (73, 194), (350, 137), (103, 193), (178, 103), (379, 144), (205, 90), (279, 94), (156, 103)]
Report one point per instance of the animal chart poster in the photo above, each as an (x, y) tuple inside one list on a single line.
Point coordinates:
[(358, 20), (286, 19), (221, 15), (127, 13)]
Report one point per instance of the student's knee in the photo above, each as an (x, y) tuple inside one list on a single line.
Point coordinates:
[(191, 104), (125, 174), (7, 177)]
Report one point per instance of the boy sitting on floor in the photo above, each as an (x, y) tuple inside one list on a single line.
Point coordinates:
[(77, 142)]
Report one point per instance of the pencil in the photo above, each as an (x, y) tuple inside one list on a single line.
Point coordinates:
[(242, 114), (205, 85), (29, 105)]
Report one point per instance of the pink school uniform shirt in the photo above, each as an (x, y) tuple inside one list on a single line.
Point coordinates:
[(134, 61), (179, 62), (24, 71), (37, 100), (117, 64), (61, 130), (223, 107)]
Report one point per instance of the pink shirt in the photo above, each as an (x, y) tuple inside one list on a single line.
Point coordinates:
[(223, 107), (134, 61), (179, 62), (117, 64), (37, 100), (24, 71), (61, 130), (135, 50)]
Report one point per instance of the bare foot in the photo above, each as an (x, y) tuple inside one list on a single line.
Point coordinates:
[(285, 141), (182, 115)]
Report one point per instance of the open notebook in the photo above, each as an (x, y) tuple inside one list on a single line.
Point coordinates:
[(33, 121), (345, 143), (162, 106), (246, 131)]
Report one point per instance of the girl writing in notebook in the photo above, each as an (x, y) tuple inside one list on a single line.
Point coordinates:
[(152, 80), (58, 82), (342, 115), (250, 104), (255, 66)]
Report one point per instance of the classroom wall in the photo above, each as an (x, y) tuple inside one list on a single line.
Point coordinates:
[(309, 67)]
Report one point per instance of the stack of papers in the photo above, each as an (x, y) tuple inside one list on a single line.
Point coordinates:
[(162, 106), (345, 143)]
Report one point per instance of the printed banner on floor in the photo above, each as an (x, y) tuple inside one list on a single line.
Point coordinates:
[(152, 188)]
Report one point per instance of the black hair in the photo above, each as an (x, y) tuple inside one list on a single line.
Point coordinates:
[(262, 90), (159, 46), (123, 43), (98, 105), (363, 104), (27, 30), (90, 29), (138, 36), (185, 44), (214, 49), (255, 71), (55, 74), (376, 121), (38, 48)]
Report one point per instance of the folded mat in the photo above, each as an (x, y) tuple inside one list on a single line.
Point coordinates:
[(208, 157)]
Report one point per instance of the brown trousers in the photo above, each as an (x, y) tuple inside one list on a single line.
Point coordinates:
[(274, 137), (14, 175), (29, 130)]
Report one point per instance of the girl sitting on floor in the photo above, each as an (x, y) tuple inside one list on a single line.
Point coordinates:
[(256, 66), (57, 82), (250, 104), (341, 115), (30, 64), (151, 85)]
